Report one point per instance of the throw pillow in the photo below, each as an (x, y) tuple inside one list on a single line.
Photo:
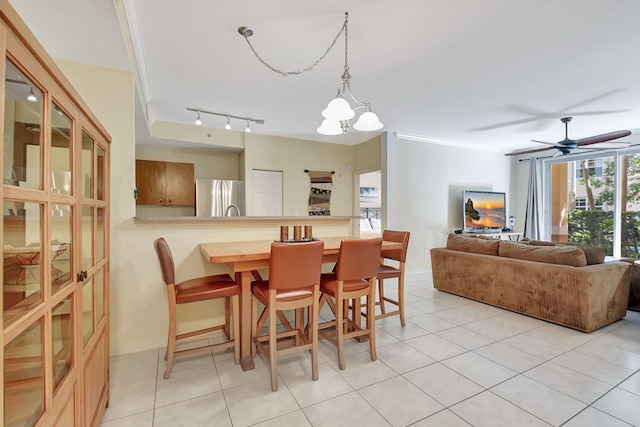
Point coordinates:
[(594, 254)]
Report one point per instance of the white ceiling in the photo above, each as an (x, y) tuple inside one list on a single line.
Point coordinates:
[(490, 74)]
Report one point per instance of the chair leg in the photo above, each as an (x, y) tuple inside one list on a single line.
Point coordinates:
[(235, 301), (254, 324), (401, 298), (340, 329), (313, 321), (371, 322), (227, 317), (171, 343), (381, 295), (273, 346)]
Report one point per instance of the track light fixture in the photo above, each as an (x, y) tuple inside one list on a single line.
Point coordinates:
[(338, 112), (228, 116)]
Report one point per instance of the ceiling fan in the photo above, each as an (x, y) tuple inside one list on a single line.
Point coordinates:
[(567, 145)]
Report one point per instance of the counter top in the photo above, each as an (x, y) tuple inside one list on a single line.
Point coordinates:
[(240, 219)]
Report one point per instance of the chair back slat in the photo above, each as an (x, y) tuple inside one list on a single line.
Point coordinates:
[(398, 237), (295, 265), (166, 260), (358, 259)]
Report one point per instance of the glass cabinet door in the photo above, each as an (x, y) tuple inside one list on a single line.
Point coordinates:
[(60, 151), (22, 249), (22, 129)]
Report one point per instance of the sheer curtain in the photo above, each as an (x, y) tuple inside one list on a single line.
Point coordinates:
[(533, 218)]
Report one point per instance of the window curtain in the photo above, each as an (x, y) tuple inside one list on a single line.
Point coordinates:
[(320, 194), (533, 216)]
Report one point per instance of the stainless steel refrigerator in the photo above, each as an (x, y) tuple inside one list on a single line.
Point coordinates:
[(218, 197)]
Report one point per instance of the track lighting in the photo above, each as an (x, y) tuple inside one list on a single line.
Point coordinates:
[(32, 96), (227, 126)]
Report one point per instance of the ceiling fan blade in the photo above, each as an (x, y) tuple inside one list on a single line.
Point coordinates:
[(597, 113), (602, 138), (606, 145), (544, 142), (527, 151)]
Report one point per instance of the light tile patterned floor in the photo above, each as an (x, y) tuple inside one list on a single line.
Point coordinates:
[(456, 363)]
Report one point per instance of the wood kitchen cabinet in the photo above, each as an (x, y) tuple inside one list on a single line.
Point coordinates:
[(55, 164), (165, 183)]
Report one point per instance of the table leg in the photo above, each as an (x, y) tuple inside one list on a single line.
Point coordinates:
[(244, 278)]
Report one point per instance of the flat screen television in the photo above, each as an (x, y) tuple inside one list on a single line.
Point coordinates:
[(484, 211)]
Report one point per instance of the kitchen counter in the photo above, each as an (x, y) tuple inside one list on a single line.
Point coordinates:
[(243, 219)]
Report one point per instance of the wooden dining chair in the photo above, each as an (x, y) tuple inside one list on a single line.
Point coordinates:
[(198, 289), (294, 283), (354, 277), (387, 271)]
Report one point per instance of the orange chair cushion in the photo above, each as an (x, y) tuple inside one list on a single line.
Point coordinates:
[(329, 284), (260, 289), (205, 288), (387, 272)]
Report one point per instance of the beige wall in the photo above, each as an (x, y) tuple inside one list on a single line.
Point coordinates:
[(292, 157), (427, 191)]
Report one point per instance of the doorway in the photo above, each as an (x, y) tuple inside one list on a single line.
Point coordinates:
[(370, 204)]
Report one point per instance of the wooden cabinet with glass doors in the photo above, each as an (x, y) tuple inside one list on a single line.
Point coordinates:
[(55, 242)]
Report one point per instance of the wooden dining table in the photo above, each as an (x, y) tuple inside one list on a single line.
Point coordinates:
[(245, 258)]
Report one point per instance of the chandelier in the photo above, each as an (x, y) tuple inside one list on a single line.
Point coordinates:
[(339, 111)]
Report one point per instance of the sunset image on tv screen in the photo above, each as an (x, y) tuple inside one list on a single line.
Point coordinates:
[(483, 210)]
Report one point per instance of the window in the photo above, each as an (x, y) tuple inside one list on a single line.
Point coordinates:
[(599, 209)]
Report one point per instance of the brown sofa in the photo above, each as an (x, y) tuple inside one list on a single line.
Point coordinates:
[(553, 283)]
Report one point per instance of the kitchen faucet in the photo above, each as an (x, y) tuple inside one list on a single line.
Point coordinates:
[(226, 212)]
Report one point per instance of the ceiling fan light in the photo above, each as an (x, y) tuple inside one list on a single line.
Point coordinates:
[(338, 109), (330, 127), (368, 121)]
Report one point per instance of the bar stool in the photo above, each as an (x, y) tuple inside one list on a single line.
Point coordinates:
[(294, 283), (198, 289), (354, 278), (389, 272)]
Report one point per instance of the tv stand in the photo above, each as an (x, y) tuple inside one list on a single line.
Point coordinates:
[(503, 235)]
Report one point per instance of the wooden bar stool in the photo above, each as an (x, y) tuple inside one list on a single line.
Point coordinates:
[(294, 283), (386, 271), (354, 278), (198, 289)]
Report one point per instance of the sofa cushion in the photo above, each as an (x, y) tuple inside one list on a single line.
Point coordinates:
[(564, 255), (594, 254), (456, 242), (541, 243)]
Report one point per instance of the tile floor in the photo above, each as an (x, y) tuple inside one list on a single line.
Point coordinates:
[(456, 363)]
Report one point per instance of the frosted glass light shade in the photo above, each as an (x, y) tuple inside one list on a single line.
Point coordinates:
[(368, 121), (330, 127), (338, 109)]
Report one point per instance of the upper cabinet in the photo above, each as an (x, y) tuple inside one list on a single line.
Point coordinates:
[(165, 183), (54, 237)]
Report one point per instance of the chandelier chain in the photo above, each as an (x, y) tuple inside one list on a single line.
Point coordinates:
[(343, 29)]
